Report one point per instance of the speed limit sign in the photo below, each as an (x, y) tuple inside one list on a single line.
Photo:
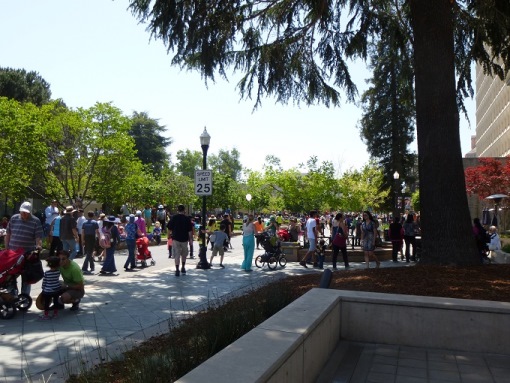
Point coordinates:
[(203, 182)]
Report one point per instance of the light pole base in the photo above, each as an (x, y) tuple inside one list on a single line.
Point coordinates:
[(202, 254)]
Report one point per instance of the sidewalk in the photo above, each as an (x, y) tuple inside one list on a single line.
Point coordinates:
[(119, 311)]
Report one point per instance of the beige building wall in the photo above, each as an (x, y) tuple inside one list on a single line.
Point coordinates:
[(492, 116)]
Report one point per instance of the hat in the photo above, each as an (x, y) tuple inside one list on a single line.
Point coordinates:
[(112, 219), (212, 217), (131, 218), (70, 209), (26, 207), (138, 212), (160, 207), (102, 215)]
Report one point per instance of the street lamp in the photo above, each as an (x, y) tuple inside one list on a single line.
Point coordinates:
[(248, 198), (396, 177), (205, 140)]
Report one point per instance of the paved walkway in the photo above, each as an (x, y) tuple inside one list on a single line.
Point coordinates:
[(118, 311), (371, 363)]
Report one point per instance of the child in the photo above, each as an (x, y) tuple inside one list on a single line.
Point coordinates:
[(169, 245), (220, 238), (51, 288), (156, 233), (321, 251)]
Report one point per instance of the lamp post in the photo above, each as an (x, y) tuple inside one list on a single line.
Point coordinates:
[(248, 198), (205, 140), (396, 177)]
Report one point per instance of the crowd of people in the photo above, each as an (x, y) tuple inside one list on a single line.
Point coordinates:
[(70, 234)]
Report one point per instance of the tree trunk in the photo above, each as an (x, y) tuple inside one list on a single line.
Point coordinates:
[(446, 227)]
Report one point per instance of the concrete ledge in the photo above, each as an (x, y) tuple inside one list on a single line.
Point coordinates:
[(295, 344), (500, 257)]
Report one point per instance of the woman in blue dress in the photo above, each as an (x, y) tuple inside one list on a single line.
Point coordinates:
[(368, 236), (109, 261), (248, 243)]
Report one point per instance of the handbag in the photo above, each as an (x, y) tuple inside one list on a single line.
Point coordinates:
[(339, 240)]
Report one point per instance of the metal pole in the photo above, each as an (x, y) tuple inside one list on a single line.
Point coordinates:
[(203, 247)]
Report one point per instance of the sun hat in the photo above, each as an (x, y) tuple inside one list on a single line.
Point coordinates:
[(26, 207), (112, 219), (138, 212), (102, 215), (70, 210), (160, 207)]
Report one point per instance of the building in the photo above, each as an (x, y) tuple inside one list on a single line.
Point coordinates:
[(492, 137)]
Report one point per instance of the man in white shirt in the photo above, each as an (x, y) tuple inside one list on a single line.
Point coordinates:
[(79, 225), (311, 233), (51, 212)]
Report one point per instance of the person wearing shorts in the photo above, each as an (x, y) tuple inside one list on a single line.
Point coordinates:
[(180, 229), (311, 233)]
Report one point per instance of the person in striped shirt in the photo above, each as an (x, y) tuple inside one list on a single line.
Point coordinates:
[(51, 288)]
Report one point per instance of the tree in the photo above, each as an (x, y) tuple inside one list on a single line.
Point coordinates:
[(227, 163), (188, 161), (91, 155), (387, 124), (150, 145), (22, 148), (362, 189), (23, 86), (491, 176), (298, 50)]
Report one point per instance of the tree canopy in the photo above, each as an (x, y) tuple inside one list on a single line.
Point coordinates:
[(23, 86), (299, 50)]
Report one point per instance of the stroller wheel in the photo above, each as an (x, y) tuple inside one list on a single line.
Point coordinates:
[(153, 262), (23, 302), (272, 263), (258, 262), (7, 310), (144, 264), (282, 261)]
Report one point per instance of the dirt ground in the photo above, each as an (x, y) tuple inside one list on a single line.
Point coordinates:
[(487, 282)]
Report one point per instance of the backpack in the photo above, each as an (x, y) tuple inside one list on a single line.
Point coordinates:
[(105, 238)]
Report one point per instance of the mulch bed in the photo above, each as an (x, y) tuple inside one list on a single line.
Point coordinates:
[(487, 282)]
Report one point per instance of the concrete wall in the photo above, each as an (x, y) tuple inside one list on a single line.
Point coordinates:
[(295, 344)]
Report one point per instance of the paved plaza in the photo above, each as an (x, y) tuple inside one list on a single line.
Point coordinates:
[(120, 311)]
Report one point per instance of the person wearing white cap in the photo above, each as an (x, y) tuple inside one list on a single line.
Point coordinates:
[(24, 230)]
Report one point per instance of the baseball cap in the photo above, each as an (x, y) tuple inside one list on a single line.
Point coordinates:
[(26, 207)]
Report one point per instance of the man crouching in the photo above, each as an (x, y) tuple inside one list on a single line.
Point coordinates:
[(73, 288)]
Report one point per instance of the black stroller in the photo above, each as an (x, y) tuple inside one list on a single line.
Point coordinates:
[(273, 254)]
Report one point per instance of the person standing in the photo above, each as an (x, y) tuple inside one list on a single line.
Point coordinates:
[(51, 212), (79, 224), (147, 215), (311, 234), (396, 237), (54, 236), (259, 228), (368, 236), (228, 229), (179, 228), (25, 231), (341, 245), (132, 232), (110, 227), (69, 232), (248, 243), (140, 222), (410, 230), (51, 288), (90, 231)]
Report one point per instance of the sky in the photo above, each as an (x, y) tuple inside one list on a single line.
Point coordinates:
[(96, 51)]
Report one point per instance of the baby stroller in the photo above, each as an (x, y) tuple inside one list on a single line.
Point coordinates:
[(144, 254), (273, 254), (14, 263)]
